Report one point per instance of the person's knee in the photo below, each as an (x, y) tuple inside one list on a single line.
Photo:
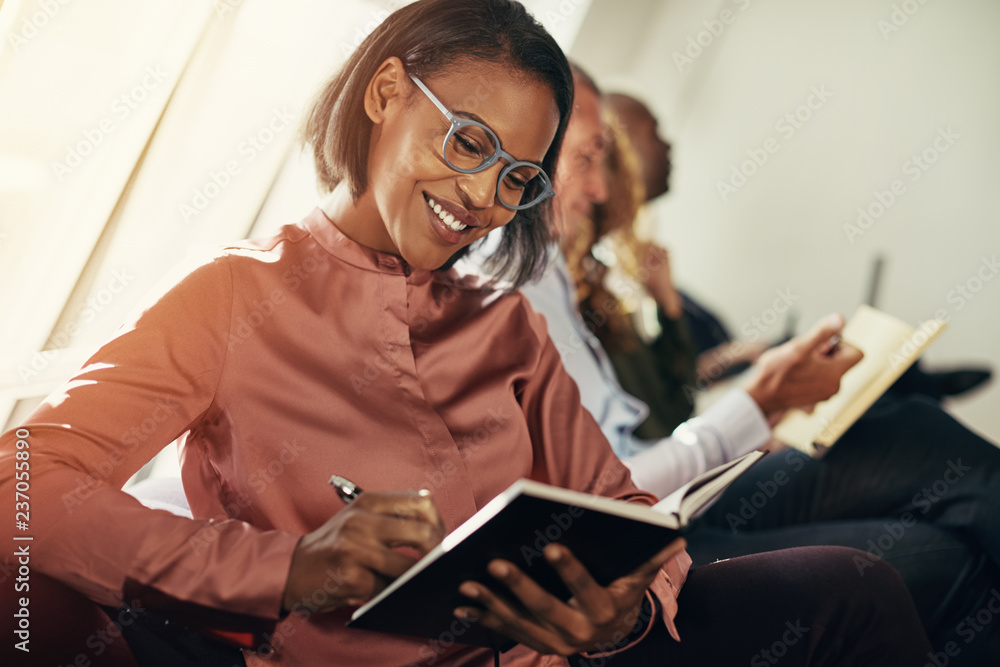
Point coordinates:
[(850, 574), (849, 566)]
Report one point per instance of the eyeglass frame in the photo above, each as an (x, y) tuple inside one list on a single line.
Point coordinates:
[(458, 123)]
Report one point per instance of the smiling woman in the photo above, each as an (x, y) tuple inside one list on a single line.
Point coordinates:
[(481, 70), (418, 156)]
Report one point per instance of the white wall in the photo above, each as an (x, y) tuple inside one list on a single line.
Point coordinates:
[(891, 92)]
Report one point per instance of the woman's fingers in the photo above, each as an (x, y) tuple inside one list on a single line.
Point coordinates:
[(359, 547), (587, 595), (648, 570), (598, 603), (417, 505), (544, 622), (501, 617), (393, 531)]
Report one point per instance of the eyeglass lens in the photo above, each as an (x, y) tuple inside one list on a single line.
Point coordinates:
[(470, 146)]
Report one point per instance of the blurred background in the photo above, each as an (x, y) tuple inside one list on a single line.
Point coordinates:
[(808, 139)]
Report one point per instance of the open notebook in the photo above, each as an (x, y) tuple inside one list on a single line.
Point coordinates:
[(890, 347), (610, 537)]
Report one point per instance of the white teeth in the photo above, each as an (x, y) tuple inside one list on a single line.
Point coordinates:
[(447, 218)]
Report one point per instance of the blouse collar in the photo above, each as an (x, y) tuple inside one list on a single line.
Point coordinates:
[(328, 235), (341, 246)]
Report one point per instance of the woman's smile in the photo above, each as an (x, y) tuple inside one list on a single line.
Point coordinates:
[(452, 222)]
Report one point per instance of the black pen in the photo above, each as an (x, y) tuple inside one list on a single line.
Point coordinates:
[(345, 488)]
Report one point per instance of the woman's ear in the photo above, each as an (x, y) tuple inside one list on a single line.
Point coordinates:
[(387, 85)]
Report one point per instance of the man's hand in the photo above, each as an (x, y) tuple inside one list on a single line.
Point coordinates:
[(593, 617), (352, 557), (803, 371)]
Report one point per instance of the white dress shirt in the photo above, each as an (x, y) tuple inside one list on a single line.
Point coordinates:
[(731, 427)]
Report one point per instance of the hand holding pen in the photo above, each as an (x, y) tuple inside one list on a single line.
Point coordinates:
[(832, 345), (354, 554), (803, 371), (347, 490)]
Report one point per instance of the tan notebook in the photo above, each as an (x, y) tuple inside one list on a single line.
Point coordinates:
[(890, 346)]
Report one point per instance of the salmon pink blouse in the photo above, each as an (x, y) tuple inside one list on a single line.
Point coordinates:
[(282, 362)]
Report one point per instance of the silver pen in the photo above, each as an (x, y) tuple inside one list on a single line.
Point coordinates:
[(345, 488), (832, 345)]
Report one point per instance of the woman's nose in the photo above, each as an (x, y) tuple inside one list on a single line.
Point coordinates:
[(481, 187)]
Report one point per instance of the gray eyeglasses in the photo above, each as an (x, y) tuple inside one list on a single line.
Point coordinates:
[(471, 147)]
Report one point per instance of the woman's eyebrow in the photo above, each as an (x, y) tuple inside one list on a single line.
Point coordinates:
[(478, 119), (471, 116)]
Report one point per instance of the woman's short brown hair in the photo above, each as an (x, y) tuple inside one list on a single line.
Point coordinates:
[(429, 36)]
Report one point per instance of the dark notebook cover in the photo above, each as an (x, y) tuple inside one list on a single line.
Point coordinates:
[(609, 546), (611, 538)]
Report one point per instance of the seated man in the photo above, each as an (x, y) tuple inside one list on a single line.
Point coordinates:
[(909, 485)]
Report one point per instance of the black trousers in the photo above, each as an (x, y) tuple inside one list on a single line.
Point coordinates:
[(909, 485), (796, 607)]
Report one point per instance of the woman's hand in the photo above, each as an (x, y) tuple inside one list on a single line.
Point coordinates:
[(594, 616), (656, 277), (352, 557)]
